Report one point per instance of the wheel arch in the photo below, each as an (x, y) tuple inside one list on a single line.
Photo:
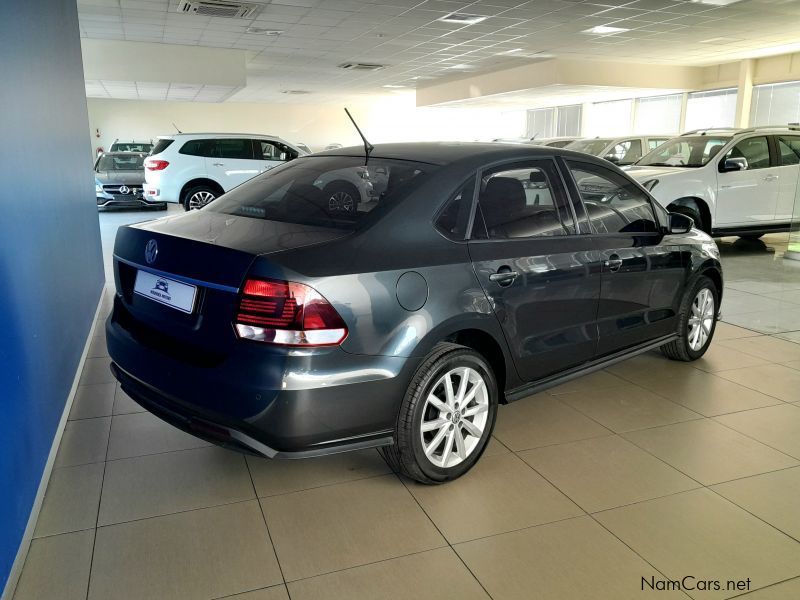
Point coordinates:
[(698, 205), (200, 181)]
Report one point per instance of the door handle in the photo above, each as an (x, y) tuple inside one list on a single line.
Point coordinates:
[(770, 178), (613, 263), (504, 277), (219, 164)]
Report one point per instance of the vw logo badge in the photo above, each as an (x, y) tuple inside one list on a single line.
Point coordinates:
[(150, 252), (123, 189)]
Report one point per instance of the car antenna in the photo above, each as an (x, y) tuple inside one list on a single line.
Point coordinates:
[(367, 146), (176, 128)]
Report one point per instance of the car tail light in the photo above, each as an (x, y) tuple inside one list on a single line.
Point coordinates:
[(153, 164), (288, 314)]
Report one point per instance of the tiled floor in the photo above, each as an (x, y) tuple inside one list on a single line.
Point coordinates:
[(651, 469)]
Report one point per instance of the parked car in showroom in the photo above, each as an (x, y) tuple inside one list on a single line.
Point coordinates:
[(268, 323), (119, 181), (554, 142), (131, 146), (195, 168), (738, 182), (620, 151)]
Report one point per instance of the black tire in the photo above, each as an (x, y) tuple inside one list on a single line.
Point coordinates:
[(680, 349), (187, 195), (690, 212), (407, 455), (341, 197)]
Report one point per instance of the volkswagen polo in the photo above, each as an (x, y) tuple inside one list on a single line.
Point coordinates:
[(275, 323)]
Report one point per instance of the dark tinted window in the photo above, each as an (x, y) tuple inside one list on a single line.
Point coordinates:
[(199, 148), (789, 149), (755, 150), (614, 203), (130, 147), (522, 201), (452, 219), (160, 146), (326, 191), (234, 148)]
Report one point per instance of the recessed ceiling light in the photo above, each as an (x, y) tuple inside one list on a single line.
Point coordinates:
[(462, 18), (604, 30), (263, 31)]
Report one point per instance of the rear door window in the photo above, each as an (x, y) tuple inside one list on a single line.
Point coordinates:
[(789, 149), (614, 203), (268, 150), (524, 200), (236, 148)]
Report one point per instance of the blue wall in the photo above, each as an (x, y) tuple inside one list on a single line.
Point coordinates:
[(51, 271)]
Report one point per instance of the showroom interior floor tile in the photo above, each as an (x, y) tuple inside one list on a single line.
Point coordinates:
[(649, 469)]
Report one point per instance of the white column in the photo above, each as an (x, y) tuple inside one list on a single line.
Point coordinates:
[(744, 94)]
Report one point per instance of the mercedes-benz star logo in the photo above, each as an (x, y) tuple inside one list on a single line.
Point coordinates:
[(150, 252), (123, 189)]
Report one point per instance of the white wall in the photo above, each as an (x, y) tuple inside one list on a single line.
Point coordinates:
[(383, 119)]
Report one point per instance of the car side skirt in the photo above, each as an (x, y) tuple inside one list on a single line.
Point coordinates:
[(751, 230), (548, 382)]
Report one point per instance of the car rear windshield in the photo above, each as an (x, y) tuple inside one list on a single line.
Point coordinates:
[(131, 162), (594, 147), (160, 146), (326, 191), (131, 147), (689, 151)]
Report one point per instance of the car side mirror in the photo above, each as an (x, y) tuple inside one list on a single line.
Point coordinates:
[(680, 223), (735, 164), (612, 159)]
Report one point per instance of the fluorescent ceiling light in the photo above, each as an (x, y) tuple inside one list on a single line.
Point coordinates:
[(263, 31), (716, 2), (392, 85), (462, 18), (721, 40), (460, 66), (510, 51), (604, 30)]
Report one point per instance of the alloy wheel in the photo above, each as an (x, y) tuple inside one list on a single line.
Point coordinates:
[(200, 199), (341, 201), (701, 320), (454, 417)]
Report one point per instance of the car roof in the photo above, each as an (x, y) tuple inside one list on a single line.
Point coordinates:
[(445, 153), (123, 153), (204, 134)]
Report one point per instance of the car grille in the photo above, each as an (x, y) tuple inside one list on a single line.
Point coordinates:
[(133, 191)]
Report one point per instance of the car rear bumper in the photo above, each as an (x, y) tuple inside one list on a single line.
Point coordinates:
[(263, 400)]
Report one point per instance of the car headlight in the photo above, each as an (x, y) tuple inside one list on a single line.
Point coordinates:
[(650, 184)]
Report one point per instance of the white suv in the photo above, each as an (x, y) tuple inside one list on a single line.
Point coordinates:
[(196, 168), (740, 182), (624, 150)]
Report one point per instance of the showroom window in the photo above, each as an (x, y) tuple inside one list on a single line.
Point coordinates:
[(714, 108), (555, 121), (658, 114), (522, 201), (610, 118), (614, 204), (775, 104)]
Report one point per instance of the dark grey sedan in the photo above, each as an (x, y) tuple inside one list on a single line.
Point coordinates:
[(275, 323), (119, 181)]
